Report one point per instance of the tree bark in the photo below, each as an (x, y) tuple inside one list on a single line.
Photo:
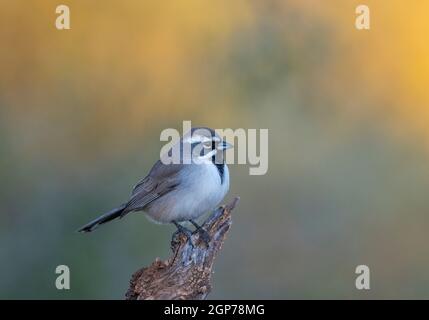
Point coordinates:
[(187, 273)]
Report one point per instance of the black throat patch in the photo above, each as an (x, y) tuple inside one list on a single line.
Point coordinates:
[(220, 166), (221, 170)]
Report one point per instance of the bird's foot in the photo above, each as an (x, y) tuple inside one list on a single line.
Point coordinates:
[(182, 230), (204, 235)]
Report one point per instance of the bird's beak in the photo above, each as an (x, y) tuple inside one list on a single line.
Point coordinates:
[(224, 145)]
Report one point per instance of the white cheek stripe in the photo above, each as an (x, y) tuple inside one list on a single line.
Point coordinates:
[(208, 155), (197, 138)]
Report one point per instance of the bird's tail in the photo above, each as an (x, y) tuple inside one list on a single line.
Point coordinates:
[(109, 216)]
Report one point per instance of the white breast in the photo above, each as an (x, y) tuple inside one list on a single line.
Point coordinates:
[(200, 191)]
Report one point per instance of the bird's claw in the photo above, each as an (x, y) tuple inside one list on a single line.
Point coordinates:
[(187, 233), (204, 235)]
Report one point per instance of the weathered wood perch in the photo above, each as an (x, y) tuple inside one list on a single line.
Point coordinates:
[(187, 273)]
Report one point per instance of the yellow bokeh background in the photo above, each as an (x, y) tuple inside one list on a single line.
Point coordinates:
[(81, 111)]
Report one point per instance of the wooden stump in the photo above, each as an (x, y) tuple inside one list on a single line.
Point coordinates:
[(187, 273)]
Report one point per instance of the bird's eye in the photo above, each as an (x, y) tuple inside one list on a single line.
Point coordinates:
[(207, 144)]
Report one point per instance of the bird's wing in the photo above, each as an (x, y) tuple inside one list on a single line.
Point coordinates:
[(160, 180), (145, 184), (159, 172)]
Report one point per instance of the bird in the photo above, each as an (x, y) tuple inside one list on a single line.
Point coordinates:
[(183, 190)]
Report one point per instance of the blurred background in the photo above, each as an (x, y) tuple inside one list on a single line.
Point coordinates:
[(81, 111)]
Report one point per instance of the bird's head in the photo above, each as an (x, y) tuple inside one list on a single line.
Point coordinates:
[(205, 144)]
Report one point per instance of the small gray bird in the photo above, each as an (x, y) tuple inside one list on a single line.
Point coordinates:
[(181, 191)]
